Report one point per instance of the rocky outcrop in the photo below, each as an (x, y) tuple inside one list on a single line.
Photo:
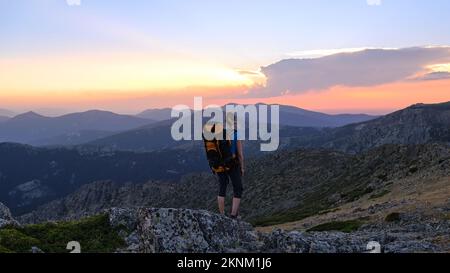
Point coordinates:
[(5, 217), (182, 231), (151, 230)]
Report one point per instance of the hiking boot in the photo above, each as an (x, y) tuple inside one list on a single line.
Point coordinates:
[(235, 217)]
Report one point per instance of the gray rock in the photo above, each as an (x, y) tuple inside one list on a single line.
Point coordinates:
[(6, 218), (411, 247), (36, 249), (182, 231), (283, 242)]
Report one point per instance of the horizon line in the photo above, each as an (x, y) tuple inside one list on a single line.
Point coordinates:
[(64, 112)]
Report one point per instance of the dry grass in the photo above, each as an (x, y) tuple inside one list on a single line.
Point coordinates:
[(406, 195)]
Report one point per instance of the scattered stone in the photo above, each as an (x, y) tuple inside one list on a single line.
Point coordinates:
[(36, 249)]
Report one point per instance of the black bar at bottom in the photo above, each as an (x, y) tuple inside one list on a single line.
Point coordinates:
[(220, 262)]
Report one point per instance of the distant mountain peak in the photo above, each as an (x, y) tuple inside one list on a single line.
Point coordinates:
[(97, 111), (94, 112), (29, 115)]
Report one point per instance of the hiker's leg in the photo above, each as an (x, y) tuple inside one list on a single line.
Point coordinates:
[(235, 208), (223, 182), (236, 179), (221, 203)]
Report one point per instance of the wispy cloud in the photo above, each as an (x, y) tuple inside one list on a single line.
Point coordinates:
[(73, 2), (434, 76), (317, 53)]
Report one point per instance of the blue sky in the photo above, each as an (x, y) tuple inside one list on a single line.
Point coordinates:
[(130, 54), (236, 32)]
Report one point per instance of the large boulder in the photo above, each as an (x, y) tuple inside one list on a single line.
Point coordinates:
[(6, 218), (151, 230)]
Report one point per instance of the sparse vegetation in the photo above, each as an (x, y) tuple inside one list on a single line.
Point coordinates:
[(447, 216), (295, 214), (94, 234), (4, 250), (357, 193), (328, 211), (344, 226), (17, 241), (379, 194)]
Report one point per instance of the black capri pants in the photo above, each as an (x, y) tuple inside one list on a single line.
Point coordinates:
[(234, 174)]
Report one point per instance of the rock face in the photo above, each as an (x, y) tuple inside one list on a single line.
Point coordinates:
[(5, 217), (150, 230), (182, 231)]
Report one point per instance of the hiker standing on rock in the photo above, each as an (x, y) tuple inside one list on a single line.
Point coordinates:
[(226, 159)]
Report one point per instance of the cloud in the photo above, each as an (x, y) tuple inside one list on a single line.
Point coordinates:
[(369, 67), (374, 2), (434, 76), (73, 2), (249, 73), (316, 53)]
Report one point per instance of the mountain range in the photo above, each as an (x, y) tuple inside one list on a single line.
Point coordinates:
[(160, 132), (156, 114), (313, 165), (289, 116), (107, 128), (32, 128), (421, 123)]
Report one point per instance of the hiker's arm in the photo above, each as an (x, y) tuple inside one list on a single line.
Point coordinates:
[(240, 155)]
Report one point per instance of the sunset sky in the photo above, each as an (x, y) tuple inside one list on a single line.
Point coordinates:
[(346, 56)]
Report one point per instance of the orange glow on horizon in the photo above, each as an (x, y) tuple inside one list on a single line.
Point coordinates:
[(145, 74), (131, 83), (376, 100)]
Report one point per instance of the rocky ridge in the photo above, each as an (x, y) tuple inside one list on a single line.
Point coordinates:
[(163, 230)]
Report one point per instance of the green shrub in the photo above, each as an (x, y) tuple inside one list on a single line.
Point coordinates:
[(4, 250), (291, 215), (15, 240), (344, 226), (94, 234)]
